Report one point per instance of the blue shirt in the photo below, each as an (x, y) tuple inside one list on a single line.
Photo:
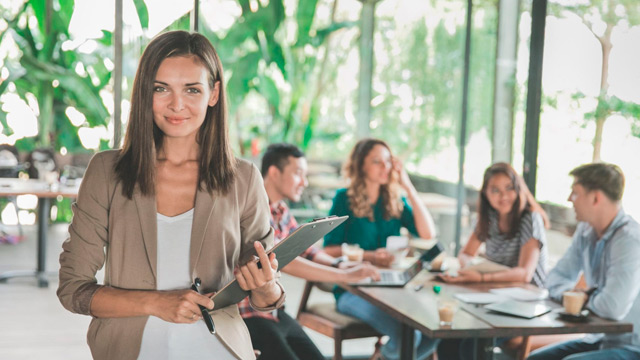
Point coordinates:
[(612, 264)]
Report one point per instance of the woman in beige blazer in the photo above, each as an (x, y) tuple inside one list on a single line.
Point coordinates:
[(176, 159)]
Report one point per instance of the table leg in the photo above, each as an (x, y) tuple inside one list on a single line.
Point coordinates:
[(43, 225), (407, 350), (41, 271)]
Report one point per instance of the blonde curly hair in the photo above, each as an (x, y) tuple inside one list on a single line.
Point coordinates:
[(356, 191)]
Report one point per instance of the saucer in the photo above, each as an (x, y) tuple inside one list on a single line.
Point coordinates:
[(583, 316)]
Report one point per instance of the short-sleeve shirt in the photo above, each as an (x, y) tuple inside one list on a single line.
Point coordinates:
[(370, 235), (506, 251)]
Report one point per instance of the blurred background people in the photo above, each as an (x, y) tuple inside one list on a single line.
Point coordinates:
[(377, 209), (277, 335)]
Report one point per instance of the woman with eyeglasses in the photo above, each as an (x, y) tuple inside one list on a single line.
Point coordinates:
[(511, 224)]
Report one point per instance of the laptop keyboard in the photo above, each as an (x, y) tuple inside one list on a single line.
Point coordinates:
[(388, 276)]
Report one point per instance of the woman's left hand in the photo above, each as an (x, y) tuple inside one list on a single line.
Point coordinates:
[(260, 281), (464, 276)]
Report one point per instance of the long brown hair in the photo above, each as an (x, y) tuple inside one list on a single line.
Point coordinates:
[(524, 201), (356, 191), (137, 160)]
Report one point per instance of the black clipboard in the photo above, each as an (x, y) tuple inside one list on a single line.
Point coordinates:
[(286, 250)]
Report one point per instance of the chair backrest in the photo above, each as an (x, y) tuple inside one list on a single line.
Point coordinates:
[(9, 163), (325, 319), (41, 160)]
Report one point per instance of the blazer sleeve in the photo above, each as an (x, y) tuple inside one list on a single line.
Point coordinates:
[(254, 216), (255, 226), (83, 253)]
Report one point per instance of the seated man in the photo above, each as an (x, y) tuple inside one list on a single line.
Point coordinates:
[(277, 335), (606, 248)]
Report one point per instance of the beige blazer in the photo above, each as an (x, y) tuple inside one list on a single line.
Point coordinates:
[(110, 230)]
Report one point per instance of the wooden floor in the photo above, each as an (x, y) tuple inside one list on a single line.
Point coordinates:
[(33, 324)]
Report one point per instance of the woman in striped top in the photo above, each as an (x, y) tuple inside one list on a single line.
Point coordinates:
[(511, 224)]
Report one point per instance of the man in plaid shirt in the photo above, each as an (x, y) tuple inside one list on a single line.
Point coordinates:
[(276, 334)]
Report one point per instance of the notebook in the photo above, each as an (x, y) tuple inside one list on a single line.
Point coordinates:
[(485, 266), (286, 250), (479, 298), (527, 310), (399, 278)]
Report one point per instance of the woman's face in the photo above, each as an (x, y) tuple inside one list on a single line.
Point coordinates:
[(377, 165), (501, 193), (181, 95)]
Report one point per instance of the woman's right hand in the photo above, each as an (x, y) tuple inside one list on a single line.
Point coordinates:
[(179, 306), (382, 257), (361, 271)]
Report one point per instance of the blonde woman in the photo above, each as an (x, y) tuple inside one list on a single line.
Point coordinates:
[(377, 209)]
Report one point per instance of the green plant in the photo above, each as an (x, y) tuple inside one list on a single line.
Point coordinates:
[(601, 17), (287, 74), (57, 77), (420, 103)]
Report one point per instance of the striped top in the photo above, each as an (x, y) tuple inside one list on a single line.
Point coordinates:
[(507, 251)]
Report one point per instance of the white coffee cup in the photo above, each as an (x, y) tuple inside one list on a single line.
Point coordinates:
[(353, 252)]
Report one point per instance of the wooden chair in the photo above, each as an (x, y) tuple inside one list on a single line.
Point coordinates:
[(325, 319)]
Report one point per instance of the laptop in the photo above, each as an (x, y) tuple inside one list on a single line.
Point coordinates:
[(527, 310), (399, 278)]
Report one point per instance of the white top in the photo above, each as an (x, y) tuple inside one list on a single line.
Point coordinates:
[(163, 340)]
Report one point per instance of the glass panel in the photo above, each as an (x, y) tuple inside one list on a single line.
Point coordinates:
[(591, 106), (417, 99)]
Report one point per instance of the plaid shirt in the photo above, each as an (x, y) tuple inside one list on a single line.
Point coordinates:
[(283, 223)]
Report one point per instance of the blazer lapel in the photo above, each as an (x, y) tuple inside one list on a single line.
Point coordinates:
[(201, 214), (147, 212)]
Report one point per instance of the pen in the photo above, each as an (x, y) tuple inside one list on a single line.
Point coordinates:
[(205, 314)]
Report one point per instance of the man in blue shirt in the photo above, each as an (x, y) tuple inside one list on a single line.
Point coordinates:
[(606, 248)]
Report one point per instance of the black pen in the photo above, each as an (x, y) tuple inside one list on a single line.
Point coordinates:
[(205, 313)]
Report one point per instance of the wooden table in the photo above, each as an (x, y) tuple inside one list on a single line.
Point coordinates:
[(44, 192), (418, 310)]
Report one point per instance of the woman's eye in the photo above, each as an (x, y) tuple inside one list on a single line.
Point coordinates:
[(193, 91), (159, 89)]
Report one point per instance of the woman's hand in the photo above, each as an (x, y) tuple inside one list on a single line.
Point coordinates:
[(179, 306), (382, 257), (260, 281), (403, 177), (464, 276), (361, 271)]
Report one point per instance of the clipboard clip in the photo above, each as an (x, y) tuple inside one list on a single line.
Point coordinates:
[(324, 218)]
